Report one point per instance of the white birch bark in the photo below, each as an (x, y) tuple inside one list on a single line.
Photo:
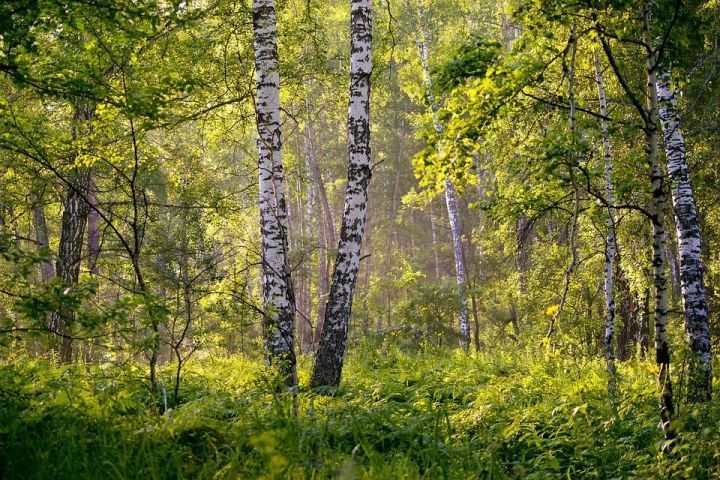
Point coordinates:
[(279, 314), (610, 243), (688, 233), (331, 351), (454, 217), (660, 282), (450, 194)]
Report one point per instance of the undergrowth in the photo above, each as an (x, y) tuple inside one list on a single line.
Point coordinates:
[(434, 413)]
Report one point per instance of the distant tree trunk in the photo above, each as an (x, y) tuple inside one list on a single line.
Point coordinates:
[(366, 281), (72, 231), (433, 231), (644, 340), (671, 252), (610, 242), (453, 216), (323, 273), (279, 308), (625, 310), (524, 232), (392, 237), (330, 234), (450, 195), (313, 214), (692, 286), (331, 351), (93, 234), (47, 269), (325, 222), (473, 297)]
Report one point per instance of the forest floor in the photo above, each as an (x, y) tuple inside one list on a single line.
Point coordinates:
[(434, 413)]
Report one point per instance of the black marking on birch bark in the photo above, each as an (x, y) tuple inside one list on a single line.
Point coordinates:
[(331, 350), (278, 300), (692, 287)]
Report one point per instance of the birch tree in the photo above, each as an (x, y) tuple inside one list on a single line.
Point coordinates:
[(278, 301), (610, 241), (331, 350), (450, 193), (692, 286), (657, 179), (650, 125)]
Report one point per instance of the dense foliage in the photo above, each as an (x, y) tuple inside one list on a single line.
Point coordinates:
[(507, 211)]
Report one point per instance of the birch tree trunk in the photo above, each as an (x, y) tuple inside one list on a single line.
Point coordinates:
[(452, 208), (610, 242), (331, 351), (278, 301), (692, 287), (450, 195), (660, 283)]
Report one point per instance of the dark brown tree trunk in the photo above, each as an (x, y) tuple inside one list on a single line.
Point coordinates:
[(75, 214)]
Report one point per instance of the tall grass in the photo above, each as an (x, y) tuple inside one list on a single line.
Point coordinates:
[(434, 413)]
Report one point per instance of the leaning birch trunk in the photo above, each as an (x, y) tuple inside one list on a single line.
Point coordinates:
[(331, 351), (610, 243), (660, 282), (278, 301), (450, 194), (692, 287)]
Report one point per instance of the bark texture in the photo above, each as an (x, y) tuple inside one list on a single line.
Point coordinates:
[(331, 351), (72, 230), (692, 288), (660, 281), (610, 242), (454, 217), (278, 300)]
